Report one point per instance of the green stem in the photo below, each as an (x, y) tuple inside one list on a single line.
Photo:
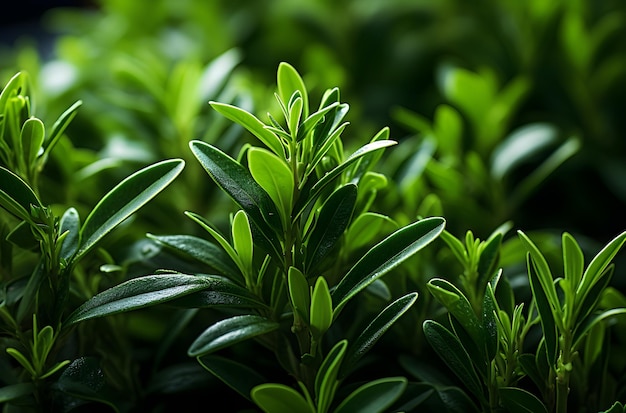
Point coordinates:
[(563, 372)]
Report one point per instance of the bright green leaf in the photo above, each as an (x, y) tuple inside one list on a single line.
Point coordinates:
[(326, 380), (279, 398), (321, 308)]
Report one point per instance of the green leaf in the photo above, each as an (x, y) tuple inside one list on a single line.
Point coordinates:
[(543, 276), (15, 391), (321, 308), (459, 306), (326, 378), (221, 292), (330, 176), (242, 241), (85, 379), (252, 124), (490, 323), (597, 266), (70, 223), (203, 251), (365, 227), (546, 315), (16, 196), (32, 136), (385, 256), (375, 330), (299, 293), (488, 261), (334, 217), (573, 261), (593, 297), (237, 376), (279, 398), (373, 397), (124, 200), (517, 400), (239, 184), (591, 321), (275, 177), (59, 127), (289, 81), (230, 331), (138, 293), (451, 351)]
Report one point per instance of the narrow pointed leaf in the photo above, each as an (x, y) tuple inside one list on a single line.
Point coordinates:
[(242, 241), (202, 251), (545, 312), (451, 351), (279, 398), (59, 126), (333, 219), (573, 260), (251, 123), (125, 199), (239, 184), (459, 306), (237, 376), (373, 397), (138, 293), (335, 172), (375, 330), (385, 256), (490, 323), (70, 221), (326, 379), (230, 331), (220, 292), (597, 266), (591, 321)]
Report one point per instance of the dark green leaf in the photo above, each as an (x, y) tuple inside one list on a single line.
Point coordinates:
[(373, 397), (138, 293), (517, 400), (15, 391), (544, 308), (529, 366), (375, 330), (459, 306), (220, 292), (488, 261), (125, 199), (85, 379), (334, 217), (239, 377), (451, 351), (16, 196), (593, 297), (490, 323), (239, 184), (230, 331), (202, 251), (385, 256), (22, 236), (70, 221)]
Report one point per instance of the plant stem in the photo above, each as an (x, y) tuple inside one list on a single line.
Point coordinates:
[(563, 372)]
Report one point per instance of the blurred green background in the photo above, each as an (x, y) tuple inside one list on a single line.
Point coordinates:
[(517, 104)]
